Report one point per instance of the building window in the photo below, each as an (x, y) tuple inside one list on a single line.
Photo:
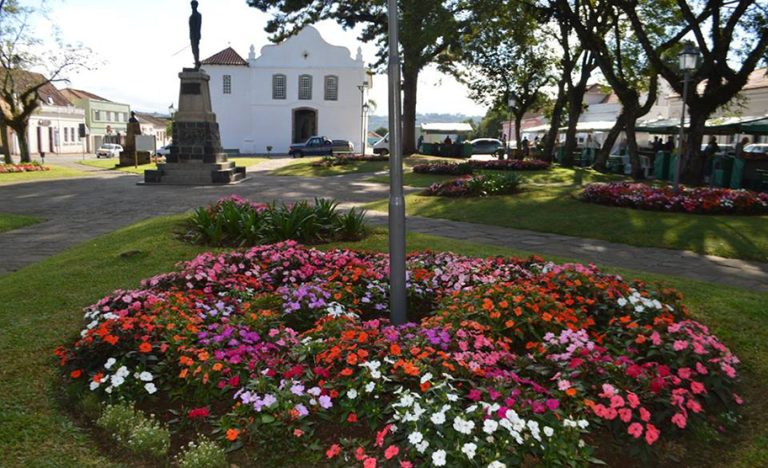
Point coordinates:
[(278, 87), (227, 84), (331, 88), (66, 135), (96, 115), (305, 87)]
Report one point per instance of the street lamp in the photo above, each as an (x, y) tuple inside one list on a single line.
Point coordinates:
[(171, 110), (511, 103), (688, 59), (363, 109)]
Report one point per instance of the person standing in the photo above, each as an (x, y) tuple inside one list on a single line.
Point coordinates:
[(525, 146), (738, 152)]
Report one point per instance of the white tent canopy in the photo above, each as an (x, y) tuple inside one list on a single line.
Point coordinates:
[(446, 128)]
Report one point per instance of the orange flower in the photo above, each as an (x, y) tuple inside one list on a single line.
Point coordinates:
[(346, 372), (394, 349), (111, 339), (217, 367), (640, 339), (145, 347), (351, 359), (425, 386), (232, 434), (203, 356), (571, 392)]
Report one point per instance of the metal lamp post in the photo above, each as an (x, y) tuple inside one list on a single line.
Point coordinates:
[(363, 108), (511, 103), (397, 289), (688, 58)]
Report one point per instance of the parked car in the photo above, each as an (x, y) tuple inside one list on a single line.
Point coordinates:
[(109, 150), (163, 151), (756, 150), (320, 146), (487, 146), (381, 147)]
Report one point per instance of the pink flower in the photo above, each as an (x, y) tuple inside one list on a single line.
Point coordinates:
[(369, 462), (634, 401), (474, 395), (693, 405), (406, 464), (333, 451), (381, 434), (617, 401), (635, 430), (610, 414), (679, 345), (359, 454), (678, 420), (651, 434), (697, 387), (553, 404), (684, 373), (698, 348), (737, 399), (645, 415), (563, 385), (625, 414), (655, 338), (391, 451)]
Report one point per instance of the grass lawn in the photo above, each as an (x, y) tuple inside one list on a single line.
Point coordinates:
[(553, 209), (303, 167), (35, 432), (9, 222), (555, 176), (56, 172), (110, 164)]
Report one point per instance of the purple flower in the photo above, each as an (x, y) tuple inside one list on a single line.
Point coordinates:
[(325, 402)]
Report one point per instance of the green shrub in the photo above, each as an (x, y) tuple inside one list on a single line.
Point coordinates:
[(150, 438), (234, 221), (118, 419), (204, 454)]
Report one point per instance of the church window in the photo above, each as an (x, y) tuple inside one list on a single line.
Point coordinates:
[(305, 87), (227, 84), (278, 87), (331, 88)]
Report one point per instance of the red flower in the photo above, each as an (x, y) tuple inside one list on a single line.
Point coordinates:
[(75, 374), (391, 451), (198, 413), (145, 347), (333, 451), (352, 418)]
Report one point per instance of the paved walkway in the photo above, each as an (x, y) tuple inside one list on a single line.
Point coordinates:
[(76, 210)]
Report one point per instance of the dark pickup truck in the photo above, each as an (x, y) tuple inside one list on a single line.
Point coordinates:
[(320, 146)]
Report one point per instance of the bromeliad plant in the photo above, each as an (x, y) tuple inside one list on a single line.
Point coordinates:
[(346, 159), (508, 361), (234, 221), (476, 186), (704, 200)]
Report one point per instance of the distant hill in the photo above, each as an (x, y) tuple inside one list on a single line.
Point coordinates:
[(376, 121)]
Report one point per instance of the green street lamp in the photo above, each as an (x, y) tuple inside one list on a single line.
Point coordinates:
[(688, 60)]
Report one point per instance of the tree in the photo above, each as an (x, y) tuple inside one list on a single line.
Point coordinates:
[(732, 38), (490, 125), (506, 58), (429, 31), (602, 28), (20, 52), (381, 131)]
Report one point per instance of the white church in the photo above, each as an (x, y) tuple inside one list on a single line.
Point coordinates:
[(299, 88)]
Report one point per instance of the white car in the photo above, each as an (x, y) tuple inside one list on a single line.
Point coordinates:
[(756, 149), (109, 150), (163, 150), (381, 147)]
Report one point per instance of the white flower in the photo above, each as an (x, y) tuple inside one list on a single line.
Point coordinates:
[(496, 464), (583, 423), (146, 377), (438, 458), (117, 380), (426, 377), (452, 397), (469, 450), (352, 394), (622, 302), (94, 385), (463, 426), (490, 426), (548, 431), (422, 446), (110, 362), (569, 423), (150, 388), (415, 437), (123, 372), (369, 387), (437, 418)]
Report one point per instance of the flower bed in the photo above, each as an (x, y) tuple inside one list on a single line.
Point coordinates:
[(235, 221), (16, 168), (443, 168), (345, 159), (511, 361), (511, 165), (475, 186), (704, 200)]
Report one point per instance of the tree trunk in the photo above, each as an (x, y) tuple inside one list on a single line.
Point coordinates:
[(410, 84), (575, 107), (6, 142), (517, 131), (634, 156), (601, 159), (554, 127), (692, 164), (22, 135)]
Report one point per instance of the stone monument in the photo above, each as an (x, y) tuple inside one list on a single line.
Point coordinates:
[(129, 156), (196, 156)]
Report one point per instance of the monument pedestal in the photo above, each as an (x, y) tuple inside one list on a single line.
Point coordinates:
[(196, 157)]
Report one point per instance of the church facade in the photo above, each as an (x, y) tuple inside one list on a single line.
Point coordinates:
[(299, 88)]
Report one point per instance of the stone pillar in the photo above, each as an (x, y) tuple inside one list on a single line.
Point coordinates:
[(196, 156)]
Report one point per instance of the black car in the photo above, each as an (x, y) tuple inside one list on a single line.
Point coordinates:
[(487, 146)]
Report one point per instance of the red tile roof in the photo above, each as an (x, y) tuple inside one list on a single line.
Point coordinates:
[(227, 56), (23, 80), (72, 94), (757, 79)]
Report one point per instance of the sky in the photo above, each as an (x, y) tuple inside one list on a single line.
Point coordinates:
[(140, 46)]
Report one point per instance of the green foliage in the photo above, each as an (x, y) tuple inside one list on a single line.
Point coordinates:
[(203, 454), (119, 419), (136, 432), (235, 222), (381, 131), (9, 222)]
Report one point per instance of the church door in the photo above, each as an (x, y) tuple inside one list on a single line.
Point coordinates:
[(304, 124)]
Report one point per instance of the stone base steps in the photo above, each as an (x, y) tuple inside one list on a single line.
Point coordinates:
[(195, 173)]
